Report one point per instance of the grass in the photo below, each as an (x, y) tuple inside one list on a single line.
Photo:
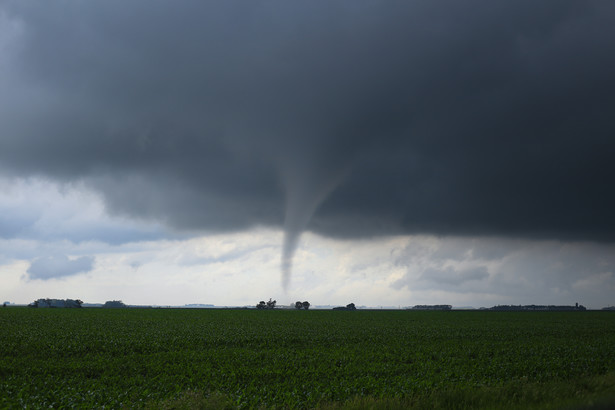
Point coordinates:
[(180, 358), (592, 393)]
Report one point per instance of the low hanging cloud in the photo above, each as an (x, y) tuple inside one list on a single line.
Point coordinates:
[(351, 120), (57, 266), (510, 270), (450, 276)]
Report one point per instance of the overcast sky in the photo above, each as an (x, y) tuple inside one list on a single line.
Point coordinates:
[(382, 153)]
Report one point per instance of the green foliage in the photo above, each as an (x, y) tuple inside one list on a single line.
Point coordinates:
[(288, 359), (193, 400)]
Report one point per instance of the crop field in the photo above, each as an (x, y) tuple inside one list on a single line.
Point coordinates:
[(183, 358)]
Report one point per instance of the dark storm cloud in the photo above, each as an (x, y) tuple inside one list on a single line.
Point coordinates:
[(438, 117)]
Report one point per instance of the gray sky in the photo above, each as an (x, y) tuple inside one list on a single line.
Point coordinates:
[(480, 126)]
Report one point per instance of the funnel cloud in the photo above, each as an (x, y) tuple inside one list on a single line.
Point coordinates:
[(351, 120), (304, 192)]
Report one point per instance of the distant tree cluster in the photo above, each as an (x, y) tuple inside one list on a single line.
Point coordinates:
[(266, 305), (432, 307), (114, 304), (302, 305), (538, 307), (349, 306), (56, 303)]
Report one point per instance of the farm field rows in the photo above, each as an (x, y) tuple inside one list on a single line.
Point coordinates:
[(301, 359)]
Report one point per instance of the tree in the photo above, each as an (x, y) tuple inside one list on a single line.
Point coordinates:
[(114, 304), (306, 305), (267, 305), (298, 305)]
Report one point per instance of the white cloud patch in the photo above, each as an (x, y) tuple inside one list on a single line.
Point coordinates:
[(38, 209), (57, 266)]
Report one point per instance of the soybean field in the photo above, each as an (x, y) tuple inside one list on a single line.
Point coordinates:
[(247, 358)]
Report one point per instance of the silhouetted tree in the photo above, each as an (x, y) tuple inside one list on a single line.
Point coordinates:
[(306, 305), (298, 305), (266, 305), (114, 304), (56, 303)]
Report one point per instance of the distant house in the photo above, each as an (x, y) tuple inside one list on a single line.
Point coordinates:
[(56, 303)]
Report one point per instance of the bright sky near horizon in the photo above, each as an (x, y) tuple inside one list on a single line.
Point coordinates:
[(386, 154)]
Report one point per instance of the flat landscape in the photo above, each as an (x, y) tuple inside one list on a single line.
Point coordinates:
[(174, 358)]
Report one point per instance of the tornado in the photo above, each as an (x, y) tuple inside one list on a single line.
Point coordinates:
[(300, 206), (306, 189)]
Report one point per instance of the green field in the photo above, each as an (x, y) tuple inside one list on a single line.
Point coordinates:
[(89, 358)]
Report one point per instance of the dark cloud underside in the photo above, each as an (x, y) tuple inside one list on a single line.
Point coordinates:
[(439, 117)]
